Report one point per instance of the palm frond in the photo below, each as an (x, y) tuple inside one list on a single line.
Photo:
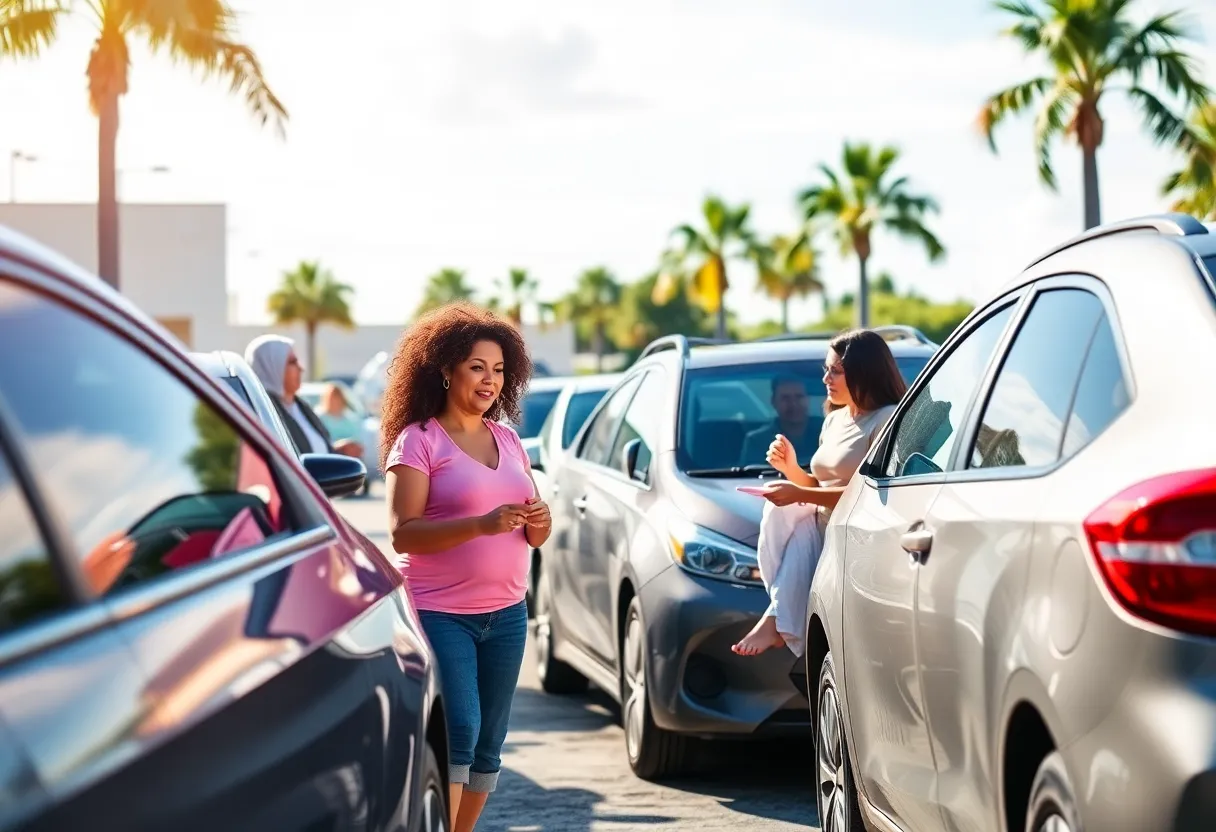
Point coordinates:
[(1010, 101), (1049, 125), (237, 63), (1166, 127), (912, 228), (27, 27)]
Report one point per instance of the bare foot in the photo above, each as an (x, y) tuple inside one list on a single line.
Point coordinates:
[(762, 637)]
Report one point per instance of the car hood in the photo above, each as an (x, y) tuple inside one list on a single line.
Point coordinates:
[(716, 505)]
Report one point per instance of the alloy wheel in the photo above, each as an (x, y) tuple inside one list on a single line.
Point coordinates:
[(433, 811), (1054, 823), (831, 799), (634, 709), (543, 629)]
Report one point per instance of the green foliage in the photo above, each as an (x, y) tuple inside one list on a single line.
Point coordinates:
[(641, 320), (936, 320), (443, 287)]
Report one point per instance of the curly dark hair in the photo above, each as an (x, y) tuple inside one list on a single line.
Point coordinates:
[(438, 341)]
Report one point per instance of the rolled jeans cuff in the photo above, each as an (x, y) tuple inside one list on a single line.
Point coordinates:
[(482, 782), (458, 774)]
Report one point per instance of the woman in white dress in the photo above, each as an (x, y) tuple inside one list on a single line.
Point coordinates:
[(863, 386)]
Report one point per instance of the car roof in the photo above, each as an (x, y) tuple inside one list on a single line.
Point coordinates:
[(217, 363), (756, 352), (547, 384), (591, 383)]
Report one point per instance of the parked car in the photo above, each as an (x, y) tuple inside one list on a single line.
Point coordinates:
[(1012, 623), (650, 574), (538, 403), (574, 403), (190, 636), (369, 437)]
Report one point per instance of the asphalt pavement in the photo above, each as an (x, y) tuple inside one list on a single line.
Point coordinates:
[(564, 766)]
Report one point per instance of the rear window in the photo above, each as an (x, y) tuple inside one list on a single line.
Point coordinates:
[(536, 407), (234, 384), (728, 415), (580, 407)]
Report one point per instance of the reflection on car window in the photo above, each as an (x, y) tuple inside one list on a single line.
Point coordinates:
[(641, 422), (147, 476), (577, 411), (29, 587), (1101, 394), (924, 438), (598, 440), (1023, 422)]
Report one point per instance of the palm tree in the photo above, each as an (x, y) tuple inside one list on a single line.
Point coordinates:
[(702, 254), (1194, 186), (788, 268), (595, 301), (861, 200), (515, 292), (1093, 47), (443, 287), (200, 33), (311, 296)]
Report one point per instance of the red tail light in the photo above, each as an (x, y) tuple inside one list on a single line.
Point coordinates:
[(1155, 544)]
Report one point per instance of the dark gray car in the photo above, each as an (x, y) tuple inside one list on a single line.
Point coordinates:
[(650, 574)]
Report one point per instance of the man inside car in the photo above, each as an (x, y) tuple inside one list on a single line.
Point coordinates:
[(792, 401)]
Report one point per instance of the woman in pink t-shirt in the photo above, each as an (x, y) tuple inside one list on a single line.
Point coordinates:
[(464, 511)]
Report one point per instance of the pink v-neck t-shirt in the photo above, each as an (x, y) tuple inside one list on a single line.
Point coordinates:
[(484, 574)]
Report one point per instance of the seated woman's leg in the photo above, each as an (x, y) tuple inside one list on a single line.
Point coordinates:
[(787, 552)]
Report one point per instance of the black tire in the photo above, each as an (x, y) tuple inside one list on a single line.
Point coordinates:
[(1052, 806), (653, 753), (433, 814), (555, 676), (835, 789)]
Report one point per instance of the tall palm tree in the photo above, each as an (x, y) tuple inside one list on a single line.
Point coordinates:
[(862, 199), (514, 293), (1194, 186), (595, 301), (1093, 47), (443, 287), (702, 255), (788, 268), (310, 295), (201, 33)]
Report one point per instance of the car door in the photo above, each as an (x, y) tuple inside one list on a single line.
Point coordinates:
[(582, 570), (982, 525), (215, 688), (886, 708)]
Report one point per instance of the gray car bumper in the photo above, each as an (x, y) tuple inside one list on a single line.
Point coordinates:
[(697, 685)]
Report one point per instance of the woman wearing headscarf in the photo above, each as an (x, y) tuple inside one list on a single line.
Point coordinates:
[(275, 363)]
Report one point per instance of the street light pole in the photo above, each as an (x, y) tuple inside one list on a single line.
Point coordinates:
[(15, 157)]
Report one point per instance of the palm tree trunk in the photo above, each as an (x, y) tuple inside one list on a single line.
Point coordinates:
[(599, 346), (1093, 203), (310, 329), (785, 314), (107, 191), (863, 294)]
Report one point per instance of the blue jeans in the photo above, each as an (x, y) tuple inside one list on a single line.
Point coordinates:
[(479, 657)]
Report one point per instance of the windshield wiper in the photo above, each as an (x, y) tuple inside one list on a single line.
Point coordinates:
[(734, 471)]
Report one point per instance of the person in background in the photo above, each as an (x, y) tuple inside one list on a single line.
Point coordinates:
[(464, 513), (340, 421), (275, 363), (863, 387), (792, 402)]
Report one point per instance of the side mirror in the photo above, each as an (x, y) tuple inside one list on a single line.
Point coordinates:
[(337, 474), (629, 458), (532, 446)]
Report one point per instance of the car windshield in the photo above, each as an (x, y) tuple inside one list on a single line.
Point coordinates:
[(729, 415), (536, 407), (580, 407)]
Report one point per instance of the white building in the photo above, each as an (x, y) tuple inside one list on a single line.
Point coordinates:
[(174, 267)]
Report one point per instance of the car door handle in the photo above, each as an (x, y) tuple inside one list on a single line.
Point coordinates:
[(580, 504), (917, 542)]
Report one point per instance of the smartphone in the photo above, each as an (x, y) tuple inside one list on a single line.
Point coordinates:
[(754, 490)]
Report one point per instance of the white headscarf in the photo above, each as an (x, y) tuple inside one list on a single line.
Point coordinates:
[(267, 355)]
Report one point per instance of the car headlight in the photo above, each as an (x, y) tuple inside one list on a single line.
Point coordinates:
[(712, 555)]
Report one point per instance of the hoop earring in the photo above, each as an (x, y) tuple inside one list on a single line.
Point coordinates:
[(446, 384)]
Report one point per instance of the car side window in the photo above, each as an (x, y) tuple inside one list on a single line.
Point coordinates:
[(928, 429), (1102, 392), (598, 440), (29, 585), (641, 422), (146, 475), (1023, 422)]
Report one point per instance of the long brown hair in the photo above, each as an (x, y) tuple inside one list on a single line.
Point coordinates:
[(869, 370), (438, 341)]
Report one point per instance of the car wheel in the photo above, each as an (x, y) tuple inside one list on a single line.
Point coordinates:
[(653, 753), (1052, 807), (434, 795), (836, 795), (555, 675)]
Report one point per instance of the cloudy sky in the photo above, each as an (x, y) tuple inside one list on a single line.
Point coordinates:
[(560, 134)]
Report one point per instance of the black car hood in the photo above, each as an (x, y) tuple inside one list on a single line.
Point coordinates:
[(713, 503)]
